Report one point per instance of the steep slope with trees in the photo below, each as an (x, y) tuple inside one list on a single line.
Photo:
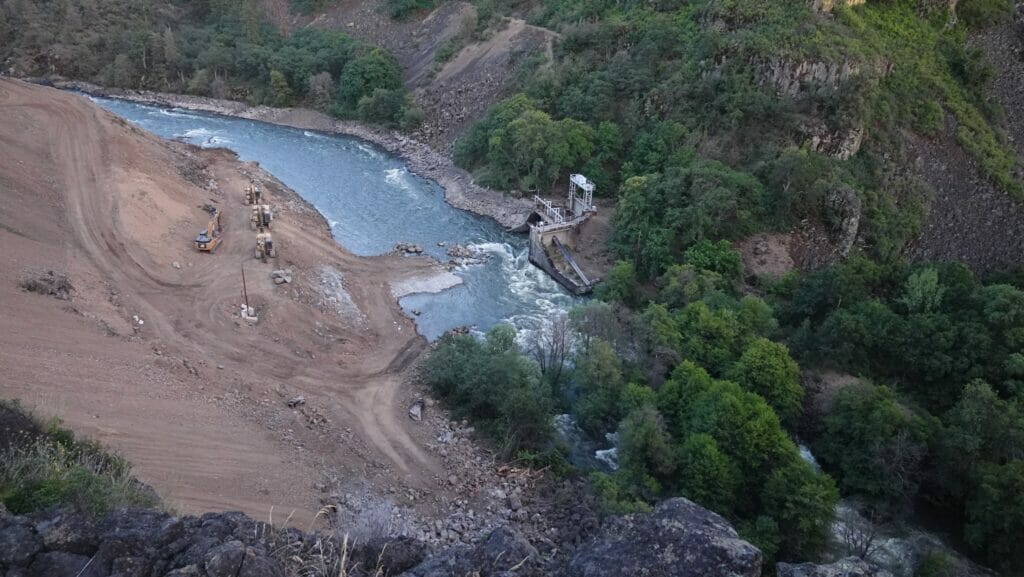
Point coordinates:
[(220, 48)]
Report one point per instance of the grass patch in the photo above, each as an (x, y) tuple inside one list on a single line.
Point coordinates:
[(43, 465)]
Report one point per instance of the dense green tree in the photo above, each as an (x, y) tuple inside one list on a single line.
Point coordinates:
[(995, 515), (620, 285), (660, 214), (718, 257), (599, 408), (981, 428), (802, 502), (876, 446), (382, 106), (282, 93), (496, 386), (645, 451), (364, 74), (706, 475), (767, 369)]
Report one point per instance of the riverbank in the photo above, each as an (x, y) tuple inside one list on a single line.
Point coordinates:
[(459, 188)]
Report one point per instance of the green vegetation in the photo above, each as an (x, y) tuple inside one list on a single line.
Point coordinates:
[(219, 48), (950, 427), (493, 384), (699, 116), (402, 9), (46, 466), (658, 375)]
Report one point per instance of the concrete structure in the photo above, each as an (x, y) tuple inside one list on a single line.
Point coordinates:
[(553, 233)]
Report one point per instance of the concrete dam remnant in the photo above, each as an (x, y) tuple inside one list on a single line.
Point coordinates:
[(554, 230)]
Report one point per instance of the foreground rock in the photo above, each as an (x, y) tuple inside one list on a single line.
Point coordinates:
[(849, 567), (678, 539)]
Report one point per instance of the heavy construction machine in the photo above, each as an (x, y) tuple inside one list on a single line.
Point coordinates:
[(253, 195), (265, 246), (209, 239), (261, 216)]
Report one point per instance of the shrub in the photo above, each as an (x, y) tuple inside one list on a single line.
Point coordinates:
[(491, 383), (38, 471)]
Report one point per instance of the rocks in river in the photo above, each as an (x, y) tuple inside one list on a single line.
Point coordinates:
[(460, 251), (408, 248)]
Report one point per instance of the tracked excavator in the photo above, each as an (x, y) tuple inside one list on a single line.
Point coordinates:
[(261, 216), (209, 239), (253, 195), (264, 246)]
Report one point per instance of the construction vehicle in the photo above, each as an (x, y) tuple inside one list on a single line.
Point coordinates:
[(261, 216), (253, 195), (209, 239), (265, 246)]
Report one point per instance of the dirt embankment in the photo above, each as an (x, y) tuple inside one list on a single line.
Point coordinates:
[(148, 354)]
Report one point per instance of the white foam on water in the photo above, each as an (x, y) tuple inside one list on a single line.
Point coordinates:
[(369, 151), (332, 223), (197, 133), (399, 178), (529, 285), (175, 112)]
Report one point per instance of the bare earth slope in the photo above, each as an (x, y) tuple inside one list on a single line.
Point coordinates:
[(969, 219), (192, 395), (452, 94)]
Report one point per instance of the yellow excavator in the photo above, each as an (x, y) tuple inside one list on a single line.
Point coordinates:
[(209, 239), (261, 216), (253, 194), (265, 246)]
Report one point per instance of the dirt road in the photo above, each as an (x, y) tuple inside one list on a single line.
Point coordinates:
[(192, 394)]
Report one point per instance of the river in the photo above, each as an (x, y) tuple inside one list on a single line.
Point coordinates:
[(372, 201)]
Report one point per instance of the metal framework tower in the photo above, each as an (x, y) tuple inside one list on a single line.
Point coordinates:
[(580, 204)]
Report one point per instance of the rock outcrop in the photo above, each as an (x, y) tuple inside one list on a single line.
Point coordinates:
[(678, 539), (849, 567)]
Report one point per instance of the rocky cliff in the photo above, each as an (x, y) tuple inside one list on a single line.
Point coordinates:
[(678, 538)]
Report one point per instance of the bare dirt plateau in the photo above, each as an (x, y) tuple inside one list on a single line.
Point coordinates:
[(190, 393)]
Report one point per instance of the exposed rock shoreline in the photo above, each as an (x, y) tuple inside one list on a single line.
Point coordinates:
[(460, 190)]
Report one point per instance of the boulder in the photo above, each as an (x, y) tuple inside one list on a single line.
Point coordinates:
[(296, 401), (18, 543), (416, 410), (678, 539), (225, 560), (393, 556), (848, 567), (501, 553), (61, 564), (69, 531)]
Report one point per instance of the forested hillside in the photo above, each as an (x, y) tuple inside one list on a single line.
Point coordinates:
[(220, 48), (710, 121), (714, 119)]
